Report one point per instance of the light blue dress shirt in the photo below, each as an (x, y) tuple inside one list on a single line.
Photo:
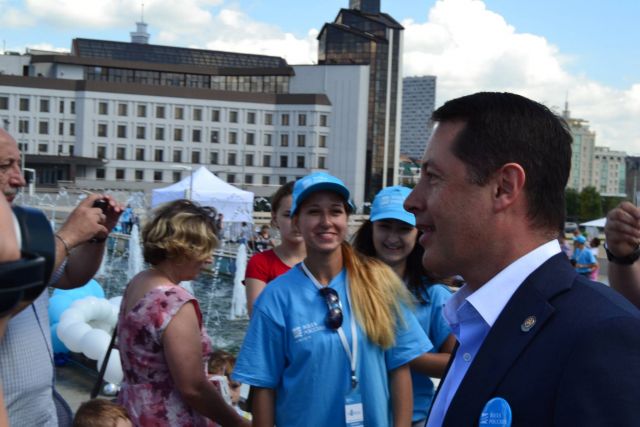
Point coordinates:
[(472, 314)]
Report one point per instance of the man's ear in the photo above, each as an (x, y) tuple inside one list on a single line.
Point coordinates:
[(509, 185)]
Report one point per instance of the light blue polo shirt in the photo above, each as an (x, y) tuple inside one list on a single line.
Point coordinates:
[(289, 349), (430, 318), (584, 257)]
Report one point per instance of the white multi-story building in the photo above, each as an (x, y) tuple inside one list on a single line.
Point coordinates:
[(418, 103), (134, 116), (609, 172)]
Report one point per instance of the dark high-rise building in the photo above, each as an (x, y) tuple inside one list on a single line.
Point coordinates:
[(364, 35)]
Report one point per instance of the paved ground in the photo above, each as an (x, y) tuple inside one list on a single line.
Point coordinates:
[(74, 382)]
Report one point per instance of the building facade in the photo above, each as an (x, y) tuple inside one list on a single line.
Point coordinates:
[(418, 103), (609, 172), (363, 35)]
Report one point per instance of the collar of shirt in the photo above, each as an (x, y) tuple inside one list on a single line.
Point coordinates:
[(491, 298)]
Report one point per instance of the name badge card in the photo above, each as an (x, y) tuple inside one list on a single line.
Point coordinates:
[(353, 409)]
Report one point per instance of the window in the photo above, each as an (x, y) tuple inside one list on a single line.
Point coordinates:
[(139, 153), (60, 149), (120, 174), (195, 157), (231, 178), (300, 161), (322, 162), (233, 117), (122, 131), (302, 140), (284, 119), (233, 137), (323, 120), (24, 104), (159, 134), (266, 180), (72, 131), (231, 159), (197, 114), (215, 135), (178, 113), (61, 128), (158, 155), (268, 119), (23, 126), (250, 139), (215, 115), (251, 118), (196, 135), (142, 110), (213, 157), (73, 107), (322, 141), (103, 108), (139, 175), (102, 129), (177, 176), (283, 161), (177, 156), (302, 119), (100, 173), (122, 109), (42, 148), (121, 153), (284, 140), (248, 159), (157, 176), (43, 128), (160, 112), (248, 179), (44, 105), (282, 180), (268, 140), (177, 134), (61, 107), (101, 152), (266, 160), (4, 102), (141, 132)]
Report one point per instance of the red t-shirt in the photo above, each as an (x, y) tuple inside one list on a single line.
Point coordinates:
[(265, 266)]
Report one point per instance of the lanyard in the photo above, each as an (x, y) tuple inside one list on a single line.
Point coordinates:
[(353, 356)]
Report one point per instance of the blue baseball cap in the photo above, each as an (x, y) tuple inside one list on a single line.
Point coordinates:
[(580, 239), (318, 181), (388, 204)]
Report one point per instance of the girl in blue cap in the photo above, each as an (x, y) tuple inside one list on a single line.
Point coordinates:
[(391, 236), (329, 341)]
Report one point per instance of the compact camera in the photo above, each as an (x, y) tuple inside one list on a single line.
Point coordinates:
[(22, 281)]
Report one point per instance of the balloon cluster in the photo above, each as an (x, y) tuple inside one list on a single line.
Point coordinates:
[(82, 321)]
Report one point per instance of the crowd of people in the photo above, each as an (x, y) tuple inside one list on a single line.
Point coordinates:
[(351, 331)]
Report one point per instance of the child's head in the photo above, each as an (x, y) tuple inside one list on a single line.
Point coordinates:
[(221, 363), (101, 413)]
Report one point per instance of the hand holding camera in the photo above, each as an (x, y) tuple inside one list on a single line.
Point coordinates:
[(92, 219)]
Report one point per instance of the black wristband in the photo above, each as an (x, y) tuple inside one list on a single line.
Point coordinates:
[(623, 260)]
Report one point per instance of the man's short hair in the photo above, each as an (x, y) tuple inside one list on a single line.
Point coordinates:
[(502, 128)]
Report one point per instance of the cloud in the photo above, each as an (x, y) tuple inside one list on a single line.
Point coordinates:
[(471, 48)]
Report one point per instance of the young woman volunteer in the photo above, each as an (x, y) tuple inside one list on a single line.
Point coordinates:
[(329, 341), (265, 266), (391, 236)]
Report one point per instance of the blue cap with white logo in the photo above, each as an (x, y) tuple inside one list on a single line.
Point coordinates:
[(318, 181), (388, 204)]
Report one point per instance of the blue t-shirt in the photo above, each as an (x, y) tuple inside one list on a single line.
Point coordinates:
[(288, 348), (584, 256), (429, 316)]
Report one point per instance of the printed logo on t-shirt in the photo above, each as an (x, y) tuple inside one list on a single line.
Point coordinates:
[(304, 332)]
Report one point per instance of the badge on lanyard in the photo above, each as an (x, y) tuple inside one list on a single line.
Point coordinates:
[(496, 412), (353, 410)]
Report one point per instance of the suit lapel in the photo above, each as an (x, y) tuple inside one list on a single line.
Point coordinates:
[(507, 338)]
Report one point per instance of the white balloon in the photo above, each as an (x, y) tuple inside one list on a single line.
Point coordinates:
[(71, 315), (113, 373), (73, 334), (103, 326), (94, 343), (116, 301), (103, 310)]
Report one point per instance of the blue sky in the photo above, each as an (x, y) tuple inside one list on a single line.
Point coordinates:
[(544, 49)]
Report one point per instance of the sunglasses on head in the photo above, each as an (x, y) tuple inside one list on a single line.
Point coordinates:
[(334, 316)]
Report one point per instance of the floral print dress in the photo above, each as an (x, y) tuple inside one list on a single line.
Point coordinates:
[(148, 391)]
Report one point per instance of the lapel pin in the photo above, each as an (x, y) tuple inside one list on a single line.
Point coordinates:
[(496, 412), (528, 323)]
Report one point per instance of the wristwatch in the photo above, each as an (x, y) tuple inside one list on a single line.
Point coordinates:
[(623, 260)]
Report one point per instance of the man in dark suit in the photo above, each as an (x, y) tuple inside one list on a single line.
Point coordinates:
[(541, 342)]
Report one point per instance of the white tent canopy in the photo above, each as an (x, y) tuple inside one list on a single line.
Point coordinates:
[(595, 223), (207, 189)]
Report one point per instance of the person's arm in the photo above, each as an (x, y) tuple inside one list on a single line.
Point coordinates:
[(434, 364), (622, 231), (253, 289), (84, 223), (183, 352), (401, 396), (264, 401)]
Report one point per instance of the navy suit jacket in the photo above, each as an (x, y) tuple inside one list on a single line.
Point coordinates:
[(579, 365)]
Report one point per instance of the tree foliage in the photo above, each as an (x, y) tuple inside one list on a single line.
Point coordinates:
[(590, 204)]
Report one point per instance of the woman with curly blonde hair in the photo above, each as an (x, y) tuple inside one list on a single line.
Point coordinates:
[(164, 347)]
